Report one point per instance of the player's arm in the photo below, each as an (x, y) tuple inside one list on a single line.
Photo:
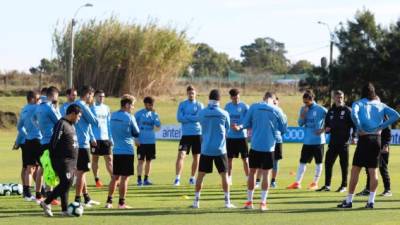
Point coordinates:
[(302, 116), (89, 116), (180, 115), (392, 115), (247, 121), (134, 127), (20, 124), (157, 121), (110, 138), (355, 117), (57, 133), (195, 117)]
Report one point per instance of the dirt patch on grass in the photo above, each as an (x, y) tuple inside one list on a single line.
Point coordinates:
[(8, 119)]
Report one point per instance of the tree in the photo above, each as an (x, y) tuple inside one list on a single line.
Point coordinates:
[(208, 62), (302, 66), (368, 53), (265, 55)]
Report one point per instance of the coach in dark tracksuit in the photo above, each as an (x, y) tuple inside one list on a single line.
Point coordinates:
[(339, 124), (386, 137), (63, 154)]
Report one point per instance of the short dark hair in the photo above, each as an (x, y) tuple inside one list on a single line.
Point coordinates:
[(269, 94), (234, 92), (368, 91), (31, 95), (190, 88), (43, 91), (85, 90), (127, 99), (214, 95), (51, 91), (148, 100), (99, 92), (309, 94), (74, 108), (70, 90), (339, 92)]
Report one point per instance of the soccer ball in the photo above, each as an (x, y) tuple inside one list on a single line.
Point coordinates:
[(5, 189), (16, 189), (75, 209)]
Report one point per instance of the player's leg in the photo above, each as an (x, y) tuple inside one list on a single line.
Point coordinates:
[(123, 187), (264, 188), (384, 171), (330, 158), (95, 169), (344, 166), (140, 170), (147, 169), (318, 151), (111, 189)]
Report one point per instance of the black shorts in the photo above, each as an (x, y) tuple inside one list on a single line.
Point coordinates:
[(234, 146), (188, 142), (367, 151), (278, 151), (83, 163), (206, 163), (31, 152), (146, 152), (103, 148), (261, 160), (123, 165), (308, 152)]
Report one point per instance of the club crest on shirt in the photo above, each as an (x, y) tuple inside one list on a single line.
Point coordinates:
[(68, 175), (239, 109), (342, 113), (315, 113)]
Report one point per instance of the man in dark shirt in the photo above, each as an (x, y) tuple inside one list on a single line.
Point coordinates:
[(63, 154), (339, 124)]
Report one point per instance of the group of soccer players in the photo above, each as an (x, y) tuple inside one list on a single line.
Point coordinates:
[(72, 131)]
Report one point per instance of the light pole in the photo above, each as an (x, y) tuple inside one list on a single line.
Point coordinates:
[(71, 55), (332, 38)]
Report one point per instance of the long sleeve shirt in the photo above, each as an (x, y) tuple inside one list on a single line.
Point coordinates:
[(265, 120), (146, 121), (188, 116), (313, 121), (215, 123), (123, 129)]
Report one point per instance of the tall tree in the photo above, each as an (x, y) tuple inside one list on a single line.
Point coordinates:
[(265, 55)]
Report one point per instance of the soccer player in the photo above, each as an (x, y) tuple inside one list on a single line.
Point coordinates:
[(45, 117), (188, 116), (85, 140), (265, 119), (215, 123), (368, 115), (102, 134), (147, 120), (339, 124), (123, 129), (312, 118), (278, 155), (63, 155), (71, 97), (31, 149), (386, 137), (20, 143), (236, 140)]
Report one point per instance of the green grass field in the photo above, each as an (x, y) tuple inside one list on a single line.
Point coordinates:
[(165, 204)]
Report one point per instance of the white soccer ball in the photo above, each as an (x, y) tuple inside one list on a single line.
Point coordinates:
[(6, 190), (75, 209), (16, 189), (1, 189)]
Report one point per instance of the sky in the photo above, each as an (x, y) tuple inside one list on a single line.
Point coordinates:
[(26, 26)]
